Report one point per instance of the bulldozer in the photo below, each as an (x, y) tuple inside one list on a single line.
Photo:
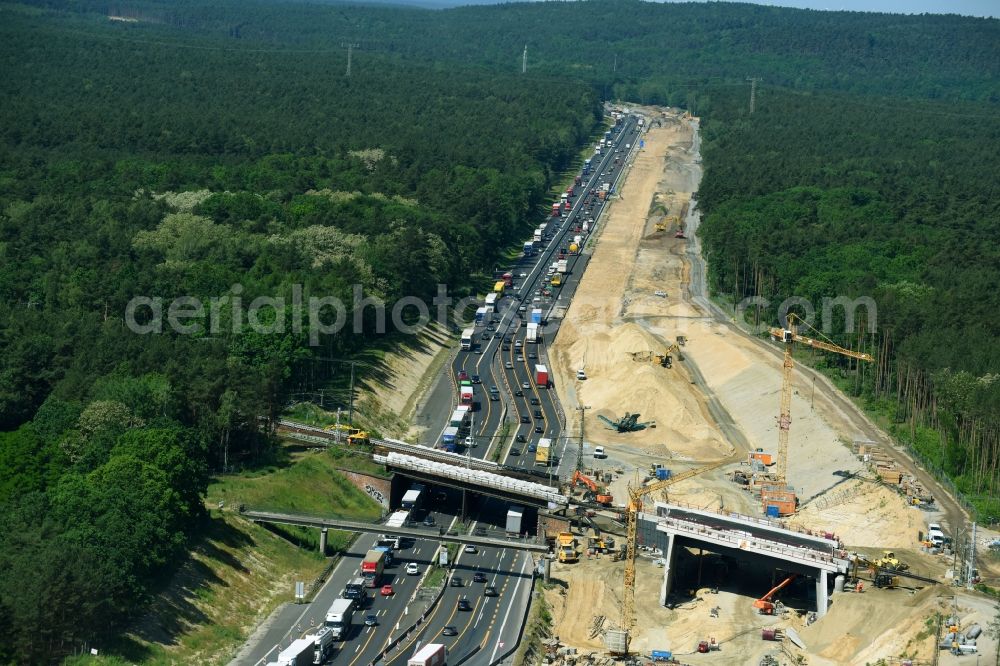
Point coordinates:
[(594, 492), (889, 561)]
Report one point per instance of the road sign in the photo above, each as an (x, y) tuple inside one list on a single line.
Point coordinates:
[(300, 590)]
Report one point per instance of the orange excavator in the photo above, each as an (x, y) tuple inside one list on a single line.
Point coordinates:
[(764, 605), (600, 495)]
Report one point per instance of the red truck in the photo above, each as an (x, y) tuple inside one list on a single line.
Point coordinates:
[(372, 567), (541, 376), (556, 208), (569, 191), (508, 279)]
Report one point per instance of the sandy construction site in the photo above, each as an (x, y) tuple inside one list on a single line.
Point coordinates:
[(718, 401)]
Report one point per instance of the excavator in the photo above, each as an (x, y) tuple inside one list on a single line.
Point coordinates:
[(596, 493), (764, 605)]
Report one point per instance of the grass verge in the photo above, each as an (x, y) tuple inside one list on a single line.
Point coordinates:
[(537, 628), (311, 485), (435, 578)]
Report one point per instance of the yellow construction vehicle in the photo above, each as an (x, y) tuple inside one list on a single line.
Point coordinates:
[(665, 359), (567, 547), (355, 436), (890, 561), (781, 496)]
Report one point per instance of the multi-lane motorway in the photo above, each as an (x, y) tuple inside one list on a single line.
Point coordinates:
[(493, 623), (502, 357)]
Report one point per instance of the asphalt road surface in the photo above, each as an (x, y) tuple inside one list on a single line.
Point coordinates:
[(492, 624)]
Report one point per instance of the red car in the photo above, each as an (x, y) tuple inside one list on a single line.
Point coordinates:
[(387, 591), (462, 375)]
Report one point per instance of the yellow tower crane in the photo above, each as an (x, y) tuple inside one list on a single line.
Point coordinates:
[(636, 494), (790, 336)]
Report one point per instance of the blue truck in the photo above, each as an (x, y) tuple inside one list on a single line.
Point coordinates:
[(449, 440)]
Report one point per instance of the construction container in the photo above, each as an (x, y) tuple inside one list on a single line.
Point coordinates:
[(772, 511), (616, 641), (662, 474), (769, 634)]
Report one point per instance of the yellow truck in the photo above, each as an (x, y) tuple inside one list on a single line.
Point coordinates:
[(567, 547), (543, 453)]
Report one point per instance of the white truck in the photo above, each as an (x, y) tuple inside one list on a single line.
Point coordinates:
[(299, 653), (532, 334), (338, 618), (322, 645), (562, 265), (432, 654), (514, 515)]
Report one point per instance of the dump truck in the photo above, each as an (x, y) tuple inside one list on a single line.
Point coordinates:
[(432, 654), (567, 547)]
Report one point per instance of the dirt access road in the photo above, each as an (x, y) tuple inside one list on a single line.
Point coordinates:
[(695, 290)]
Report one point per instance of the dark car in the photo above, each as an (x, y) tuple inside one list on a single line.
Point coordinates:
[(521, 438), (494, 396), (479, 577), (539, 429), (497, 335), (371, 620), (519, 393), (489, 591), (429, 521), (515, 452), (531, 355), (456, 581), (449, 631), (464, 605), (505, 347), (535, 401), (532, 448), (538, 414), (525, 419), (475, 379)]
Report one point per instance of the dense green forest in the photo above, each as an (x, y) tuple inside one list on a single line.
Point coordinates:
[(820, 196), (204, 146)]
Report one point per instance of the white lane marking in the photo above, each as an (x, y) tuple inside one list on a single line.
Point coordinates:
[(507, 614)]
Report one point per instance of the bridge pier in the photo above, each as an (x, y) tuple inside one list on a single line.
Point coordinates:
[(668, 569), (822, 599), (322, 540)]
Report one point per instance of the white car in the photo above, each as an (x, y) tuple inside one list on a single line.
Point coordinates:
[(580, 374), (661, 294), (599, 452), (412, 569), (470, 442)]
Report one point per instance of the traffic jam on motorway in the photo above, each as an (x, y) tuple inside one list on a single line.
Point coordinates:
[(503, 354)]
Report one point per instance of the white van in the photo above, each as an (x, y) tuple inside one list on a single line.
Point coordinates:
[(935, 535), (599, 452)]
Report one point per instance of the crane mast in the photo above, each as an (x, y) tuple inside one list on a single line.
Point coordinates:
[(789, 337)]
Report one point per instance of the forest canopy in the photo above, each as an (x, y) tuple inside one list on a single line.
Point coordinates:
[(167, 148)]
